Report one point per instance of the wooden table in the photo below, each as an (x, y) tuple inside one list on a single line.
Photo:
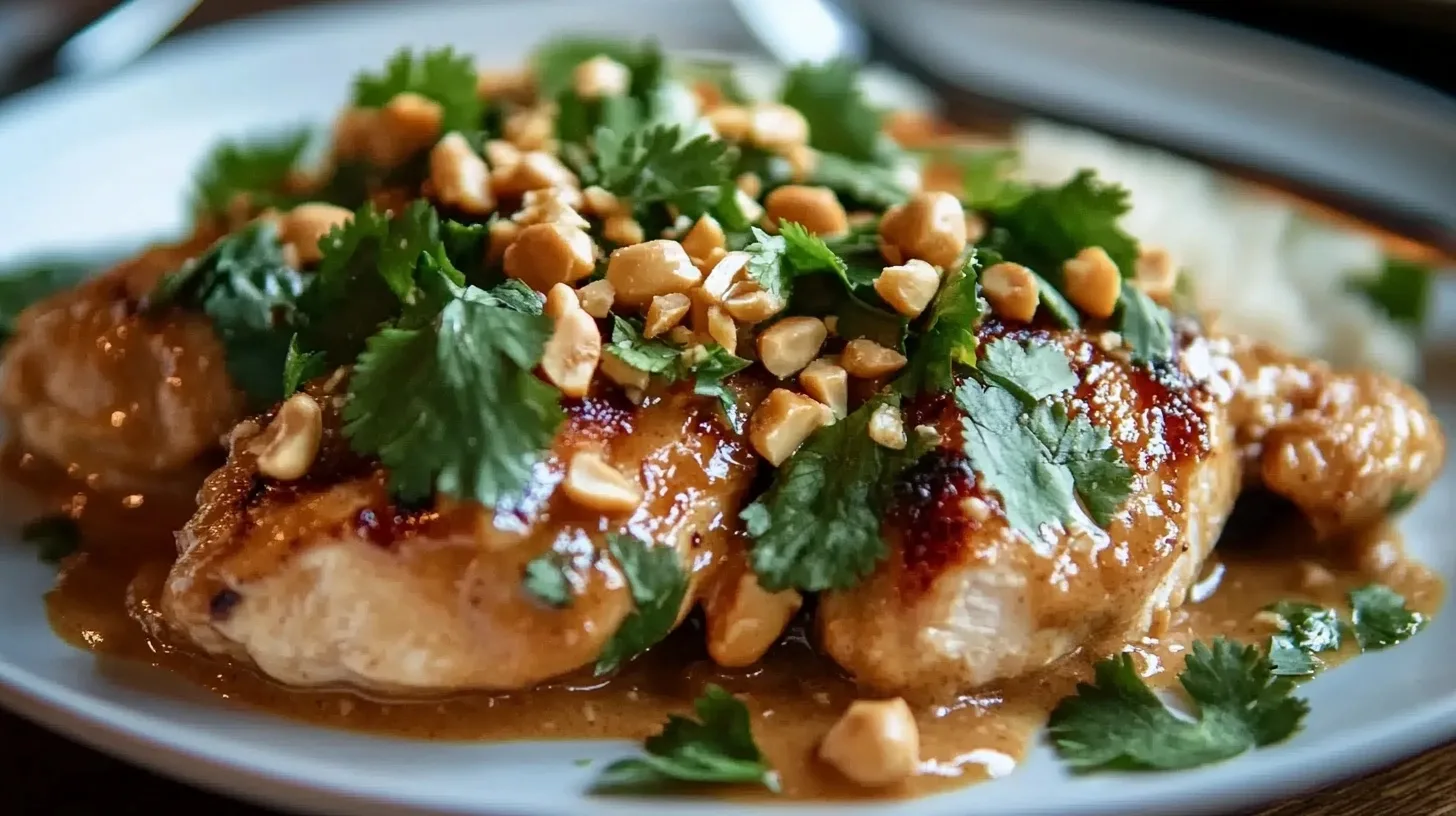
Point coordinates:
[(47, 774)]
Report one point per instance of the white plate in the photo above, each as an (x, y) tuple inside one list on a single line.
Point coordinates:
[(102, 165)]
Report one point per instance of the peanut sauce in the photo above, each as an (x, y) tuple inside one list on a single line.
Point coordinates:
[(105, 602)]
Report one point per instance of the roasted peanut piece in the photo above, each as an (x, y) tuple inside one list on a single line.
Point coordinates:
[(723, 275), (531, 128), (875, 743), (826, 381), (643, 271), (908, 288), (790, 344), (751, 209), (750, 303), (287, 449), (501, 155), (722, 328), (550, 205), (665, 312), (596, 298), (600, 76), (749, 184), (459, 176), (802, 159), (535, 171), (304, 226), (622, 230), (560, 299), (1092, 282), (592, 482), (732, 123), (781, 424), (494, 83), (408, 123), (777, 127), (601, 203), (887, 427), (744, 619), (930, 226), (543, 255), (867, 359), (622, 374), (705, 237), (501, 234), (354, 132), (1156, 275), (1011, 290), (575, 348), (816, 209)]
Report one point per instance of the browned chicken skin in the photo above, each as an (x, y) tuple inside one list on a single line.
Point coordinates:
[(95, 386), (326, 580)]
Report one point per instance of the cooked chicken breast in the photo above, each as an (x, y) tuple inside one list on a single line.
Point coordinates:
[(95, 386), (326, 580), (964, 600)]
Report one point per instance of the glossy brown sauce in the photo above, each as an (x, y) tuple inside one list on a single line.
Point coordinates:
[(105, 602)]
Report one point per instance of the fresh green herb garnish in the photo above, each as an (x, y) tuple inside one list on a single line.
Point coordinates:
[(1402, 291), (250, 293), (19, 288), (1306, 630), (548, 579), (718, 748), (775, 260), (948, 338), (54, 537), (840, 120), (1032, 371), (1118, 723), (818, 526), (658, 584), (1381, 619), (1400, 500), (657, 164), (985, 175), (1056, 305), (258, 170), (708, 367), (1049, 225), (864, 183), (440, 75), (1144, 326), (300, 366), (554, 64)]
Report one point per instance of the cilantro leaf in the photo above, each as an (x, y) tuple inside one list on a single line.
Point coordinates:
[(718, 748), (250, 294), (869, 184), (1117, 723), (1032, 371), (258, 170), (300, 366), (818, 526), (1306, 630), (808, 253), (658, 584), (775, 260), (716, 365), (656, 164), (709, 366), (1102, 480), (1049, 225), (554, 63), (1401, 499), (431, 401), (1144, 326), (652, 356), (547, 578), (19, 288), (439, 74), (766, 264), (54, 537), (840, 119), (1287, 659), (949, 335), (1056, 304), (1381, 619), (985, 175), (1402, 291)]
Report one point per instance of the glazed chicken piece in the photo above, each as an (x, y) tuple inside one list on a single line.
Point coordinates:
[(963, 601), (325, 580), (92, 384)]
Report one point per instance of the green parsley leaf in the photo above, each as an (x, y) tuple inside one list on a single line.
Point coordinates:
[(1102, 480), (718, 748), (19, 288), (1117, 723), (250, 293), (430, 402), (658, 584), (949, 335), (439, 74), (1381, 618), (547, 578), (818, 526), (656, 164), (257, 169), (1144, 326), (1049, 225), (840, 120), (871, 185), (1306, 630), (54, 537), (300, 366), (1032, 371), (1402, 291)]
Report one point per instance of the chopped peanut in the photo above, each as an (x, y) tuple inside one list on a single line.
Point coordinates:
[(304, 226), (501, 155), (571, 355), (288, 448), (550, 205), (749, 184), (592, 482), (501, 234), (744, 619), (930, 226), (731, 122), (887, 427), (601, 203), (354, 132), (750, 303), (722, 328), (908, 288), (705, 264), (543, 255), (826, 381), (1092, 282), (705, 236), (875, 743), (1011, 290), (682, 335), (494, 84), (790, 344), (535, 171), (622, 230), (781, 424), (459, 176), (531, 128), (600, 76), (802, 159), (643, 271), (560, 299), (622, 374), (750, 208), (1156, 275), (665, 312), (723, 275), (816, 209), (408, 123), (596, 298), (777, 127), (867, 359)]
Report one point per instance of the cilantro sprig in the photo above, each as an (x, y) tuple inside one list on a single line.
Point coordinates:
[(658, 584), (440, 75), (1380, 618), (717, 748), (1306, 629), (258, 169), (708, 366)]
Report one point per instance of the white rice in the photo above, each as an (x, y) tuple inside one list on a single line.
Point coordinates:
[(1266, 270)]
